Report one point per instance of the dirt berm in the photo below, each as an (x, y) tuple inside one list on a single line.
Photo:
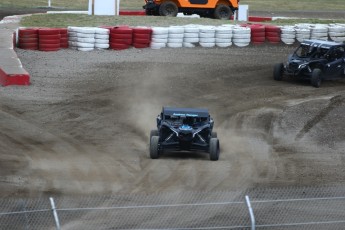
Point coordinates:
[(83, 125)]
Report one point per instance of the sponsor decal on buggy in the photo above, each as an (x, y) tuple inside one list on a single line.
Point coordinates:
[(185, 115)]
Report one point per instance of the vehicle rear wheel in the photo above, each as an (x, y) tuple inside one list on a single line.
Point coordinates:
[(316, 78), (278, 71), (214, 149), (222, 12), (168, 9), (154, 151)]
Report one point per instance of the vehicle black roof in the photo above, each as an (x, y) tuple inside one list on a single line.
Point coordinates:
[(321, 43), (188, 112)]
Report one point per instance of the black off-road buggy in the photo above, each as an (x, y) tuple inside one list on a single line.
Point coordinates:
[(314, 60), (184, 129)]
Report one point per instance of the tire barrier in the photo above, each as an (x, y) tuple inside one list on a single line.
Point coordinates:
[(142, 37), (159, 38), (28, 38), (49, 39), (189, 36), (121, 37), (207, 36), (175, 37), (258, 35), (241, 36), (224, 36), (273, 34)]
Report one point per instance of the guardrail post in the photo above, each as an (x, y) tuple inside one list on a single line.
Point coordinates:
[(57, 223), (251, 213), (49, 3)]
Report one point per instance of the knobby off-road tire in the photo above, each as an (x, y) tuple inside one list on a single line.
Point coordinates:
[(316, 78), (278, 72), (153, 132), (222, 12), (154, 151), (214, 149), (214, 135), (168, 9)]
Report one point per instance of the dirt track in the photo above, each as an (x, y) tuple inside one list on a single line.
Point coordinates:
[(82, 127)]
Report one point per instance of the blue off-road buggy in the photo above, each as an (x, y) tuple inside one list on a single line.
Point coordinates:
[(184, 129)]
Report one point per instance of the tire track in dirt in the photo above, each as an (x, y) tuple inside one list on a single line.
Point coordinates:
[(334, 102)]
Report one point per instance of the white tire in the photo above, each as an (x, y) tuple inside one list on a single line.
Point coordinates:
[(336, 29), (160, 30), (175, 40), (102, 36), (241, 44), (223, 30), (73, 39), (85, 49), (319, 30), (86, 40), (157, 45), (102, 31), (223, 44), (86, 30), (72, 44), (159, 36), (174, 45), (191, 35), (176, 30), (337, 34), (207, 29), (223, 40), (207, 40), (101, 46), (207, 44), (244, 36), (206, 35), (176, 35), (241, 40), (72, 29), (288, 41), (159, 40), (189, 29), (82, 35), (288, 31), (101, 41), (188, 45), (224, 36), (241, 30), (191, 40), (72, 34), (288, 36), (85, 45)]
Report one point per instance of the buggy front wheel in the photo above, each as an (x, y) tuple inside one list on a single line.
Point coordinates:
[(214, 149), (154, 147), (278, 71), (316, 78)]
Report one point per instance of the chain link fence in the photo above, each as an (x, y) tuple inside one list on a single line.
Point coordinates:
[(287, 208)]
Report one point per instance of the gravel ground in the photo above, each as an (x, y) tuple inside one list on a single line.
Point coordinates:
[(83, 125)]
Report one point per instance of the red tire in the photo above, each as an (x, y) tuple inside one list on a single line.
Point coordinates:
[(27, 32), (121, 41), (29, 36), (64, 45), (140, 46), (63, 40), (49, 41), (142, 30), (141, 41), (49, 46), (272, 34), (273, 39), (48, 31), (63, 30), (121, 30), (116, 46), (49, 37), (257, 28), (142, 36), (258, 39), (121, 36), (270, 28), (27, 40), (258, 34)]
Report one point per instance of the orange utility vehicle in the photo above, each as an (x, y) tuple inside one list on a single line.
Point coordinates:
[(219, 9)]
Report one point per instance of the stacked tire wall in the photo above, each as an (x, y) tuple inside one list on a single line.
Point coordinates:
[(188, 36)]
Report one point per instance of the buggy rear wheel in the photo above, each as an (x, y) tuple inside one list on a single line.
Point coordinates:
[(154, 151), (278, 71), (316, 78), (214, 149), (222, 12), (168, 9)]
